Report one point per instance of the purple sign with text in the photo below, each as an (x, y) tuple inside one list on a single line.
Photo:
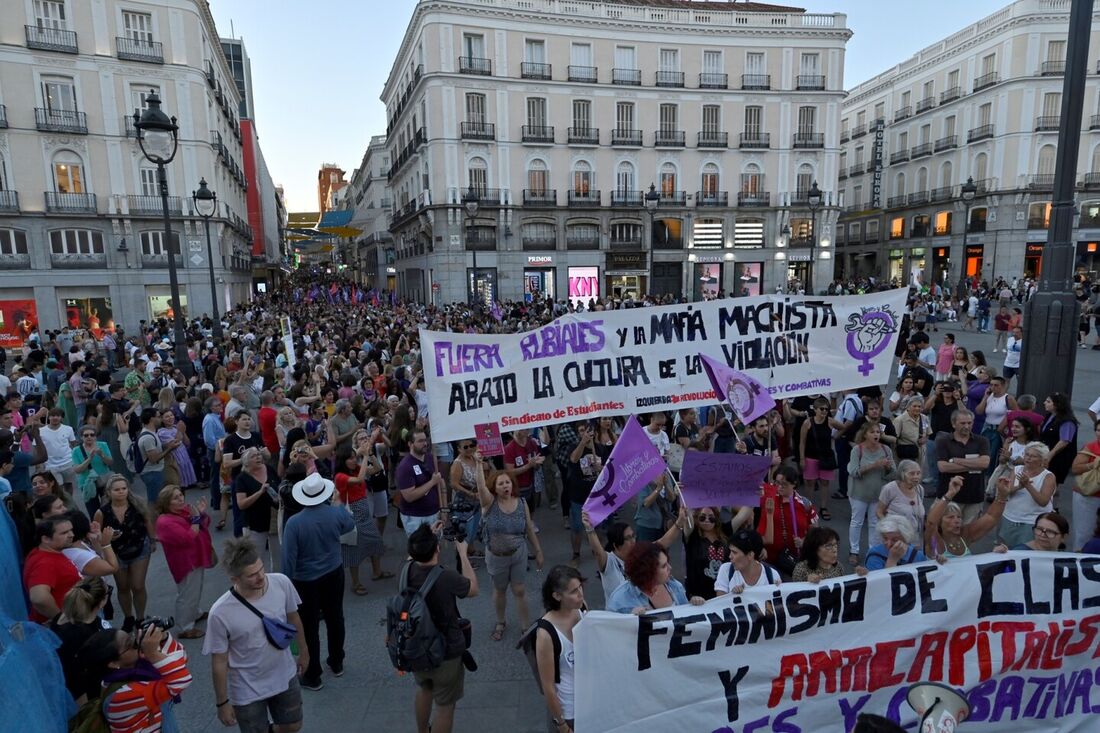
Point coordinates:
[(722, 479), (633, 463), (748, 398)]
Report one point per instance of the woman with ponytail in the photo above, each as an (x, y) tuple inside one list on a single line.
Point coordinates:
[(78, 621)]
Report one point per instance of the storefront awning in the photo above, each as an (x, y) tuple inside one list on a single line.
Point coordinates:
[(337, 223)]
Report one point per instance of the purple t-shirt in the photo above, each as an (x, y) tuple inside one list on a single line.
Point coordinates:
[(412, 473)]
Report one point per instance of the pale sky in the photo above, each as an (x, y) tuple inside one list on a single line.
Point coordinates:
[(318, 68)]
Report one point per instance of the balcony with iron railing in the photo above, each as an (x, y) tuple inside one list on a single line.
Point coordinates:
[(712, 139), (981, 132), (627, 77), (756, 82), (853, 207), (624, 199), (542, 134), (1052, 68), (670, 79), (943, 193), (920, 229), (856, 169), (712, 198), (583, 136), (808, 140), (810, 82), (918, 197), (60, 120), (1037, 222), (950, 95), (947, 143), (926, 104), (482, 241), (626, 138), (582, 242), (1041, 182), (132, 49), (921, 150), (485, 196), (754, 140), (70, 203), (627, 241), (539, 243), (896, 202), (713, 80), (78, 260), (151, 205), (899, 156), (673, 198), (752, 199), (581, 199), (842, 174), (1047, 123), (845, 136), (1094, 122), (51, 39), (668, 139), (159, 260), (9, 202), (1091, 181), (986, 80), (533, 70), (859, 131), (584, 74), (478, 130), (540, 197), (475, 65), (903, 113)]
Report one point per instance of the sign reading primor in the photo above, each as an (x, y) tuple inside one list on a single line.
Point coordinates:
[(1018, 635), (637, 360)]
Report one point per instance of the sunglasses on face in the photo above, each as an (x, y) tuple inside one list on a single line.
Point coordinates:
[(706, 517)]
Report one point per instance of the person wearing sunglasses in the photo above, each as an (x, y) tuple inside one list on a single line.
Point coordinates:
[(465, 503), (706, 547)]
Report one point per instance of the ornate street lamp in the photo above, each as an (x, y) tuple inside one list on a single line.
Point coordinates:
[(206, 204), (471, 202)]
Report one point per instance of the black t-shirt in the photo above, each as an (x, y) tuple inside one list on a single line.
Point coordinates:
[(886, 425), (73, 635), (973, 490), (293, 436), (257, 517), (920, 374), (940, 416), (235, 446), (703, 558), (443, 604)]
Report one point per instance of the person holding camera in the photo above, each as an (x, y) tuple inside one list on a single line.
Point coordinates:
[(440, 688), (143, 674), (255, 674)]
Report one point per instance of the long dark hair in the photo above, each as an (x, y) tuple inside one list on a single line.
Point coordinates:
[(815, 538), (557, 580), (1061, 407)]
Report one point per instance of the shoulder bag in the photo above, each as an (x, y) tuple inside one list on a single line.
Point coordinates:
[(279, 633)]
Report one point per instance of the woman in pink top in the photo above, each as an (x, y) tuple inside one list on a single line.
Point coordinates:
[(944, 356), (184, 533)]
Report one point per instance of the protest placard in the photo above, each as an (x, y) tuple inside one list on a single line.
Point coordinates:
[(1017, 634), (722, 479), (633, 463), (489, 442), (584, 365)]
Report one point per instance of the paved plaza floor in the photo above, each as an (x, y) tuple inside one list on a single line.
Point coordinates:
[(501, 697)]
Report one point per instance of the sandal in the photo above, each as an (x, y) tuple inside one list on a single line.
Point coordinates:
[(221, 524), (498, 632), (359, 590), (825, 514), (384, 575)]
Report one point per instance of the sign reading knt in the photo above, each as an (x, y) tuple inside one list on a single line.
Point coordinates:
[(637, 360)]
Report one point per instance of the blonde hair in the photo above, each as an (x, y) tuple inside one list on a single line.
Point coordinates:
[(83, 600)]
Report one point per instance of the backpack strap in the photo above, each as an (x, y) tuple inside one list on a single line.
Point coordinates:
[(556, 641), (426, 586), (768, 572)]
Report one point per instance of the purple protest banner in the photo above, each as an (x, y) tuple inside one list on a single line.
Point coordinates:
[(633, 463), (749, 398), (722, 479)]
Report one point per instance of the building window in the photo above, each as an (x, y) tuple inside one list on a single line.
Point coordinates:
[(626, 58), (475, 108), (806, 120), (668, 118), (152, 244), (1090, 215), (977, 219), (754, 115), (804, 180), (148, 178), (668, 233), (1038, 215), (872, 231), (137, 26), (712, 62), (880, 111), (539, 234), (76, 242), (473, 45), (626, 232), (985, 114), (580, 54), (710, 179), (1047, 156), (50, 14), (582, 114), (58, 94), (752, 180), (855, 233), (534, 51), (537, 176), (624, 178), (712, 118), (754, 63), (478, 175), (536, 111), (582, 178), (748, 233), (68, 173), (13, 242), (897, 227), (921, 226), (810, 64), (669, 59), (668, 179), (943, 223), (989, 64), (624, 115)]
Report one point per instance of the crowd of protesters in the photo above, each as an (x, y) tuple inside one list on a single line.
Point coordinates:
[(300, 460)]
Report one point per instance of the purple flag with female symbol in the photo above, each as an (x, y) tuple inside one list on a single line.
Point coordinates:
[(748, 398), (633, 463)]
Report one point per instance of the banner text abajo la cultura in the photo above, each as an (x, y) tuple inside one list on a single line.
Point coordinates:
[(636, 360), (1017, 634)]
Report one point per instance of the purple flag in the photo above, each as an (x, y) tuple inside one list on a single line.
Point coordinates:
[(633, 463), (722, 479), (496, 312), (749, 398)]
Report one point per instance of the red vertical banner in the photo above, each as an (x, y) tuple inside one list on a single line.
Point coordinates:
[(18, 318)]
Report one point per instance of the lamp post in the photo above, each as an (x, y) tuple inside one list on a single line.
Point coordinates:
[(158, 137), (969, 191), (471, 203), (1051, 315), (206, 203), (813, 200), (652, 200)]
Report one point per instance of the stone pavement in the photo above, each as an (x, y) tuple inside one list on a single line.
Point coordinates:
[(501, 697)]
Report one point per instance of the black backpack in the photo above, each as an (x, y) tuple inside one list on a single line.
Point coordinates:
[(412, 639), (526, 644)]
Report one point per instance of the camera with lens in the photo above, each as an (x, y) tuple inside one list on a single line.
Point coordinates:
[(455, 532), (159, 622)]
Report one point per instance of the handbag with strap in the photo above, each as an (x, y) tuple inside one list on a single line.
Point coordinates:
[(351, 537), (278, 633), (1088, 483)]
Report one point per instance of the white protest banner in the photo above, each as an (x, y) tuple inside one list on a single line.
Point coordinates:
[(630, 361), (288, 340), (1017, 634)]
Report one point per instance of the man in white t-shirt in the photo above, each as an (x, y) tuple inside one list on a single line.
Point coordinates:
[(59, 440), (1014, 347)]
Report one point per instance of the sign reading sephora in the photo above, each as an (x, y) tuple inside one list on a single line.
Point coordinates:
[(876, 181)]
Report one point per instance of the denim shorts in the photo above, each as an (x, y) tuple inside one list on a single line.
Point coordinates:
[(285, 709), (146, 552)]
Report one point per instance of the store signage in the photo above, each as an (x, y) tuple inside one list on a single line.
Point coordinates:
[(539, 259), (708, 258), (974, 250), (897, 254), (626, 260), (799, 257), (917, 252), (876, 158), (18, 320), (1037, 249), (584, 284)]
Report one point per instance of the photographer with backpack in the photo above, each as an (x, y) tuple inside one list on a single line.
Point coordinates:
[(425, 633)]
